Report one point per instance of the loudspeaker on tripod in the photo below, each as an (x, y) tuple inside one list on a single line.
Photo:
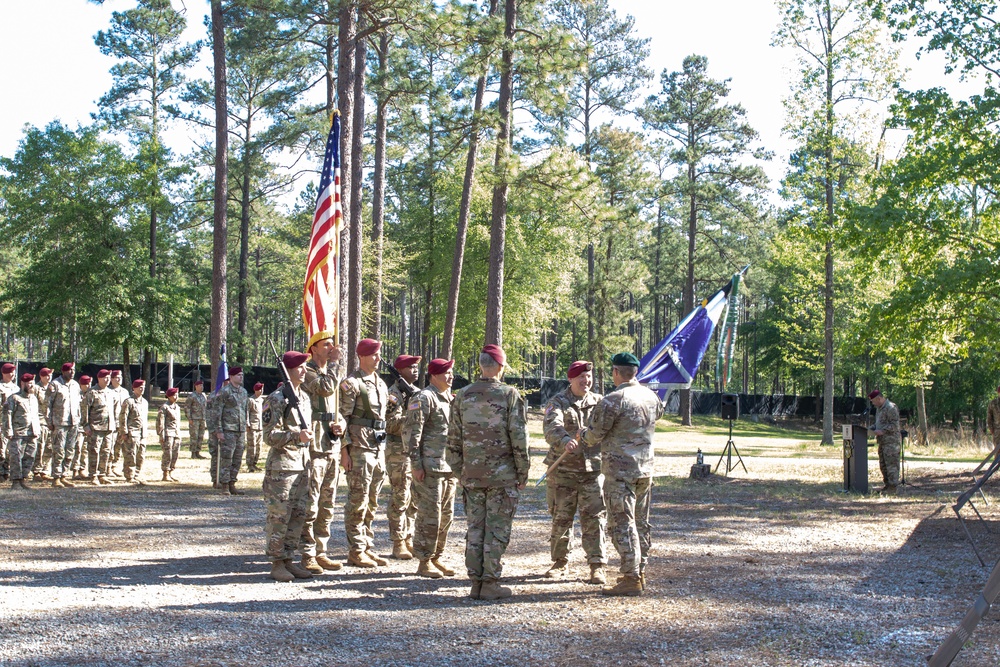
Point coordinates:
[(730, 407)]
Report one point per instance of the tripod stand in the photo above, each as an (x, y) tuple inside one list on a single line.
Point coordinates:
[(727, 454)]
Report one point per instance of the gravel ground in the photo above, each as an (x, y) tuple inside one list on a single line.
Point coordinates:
[(772, 567)]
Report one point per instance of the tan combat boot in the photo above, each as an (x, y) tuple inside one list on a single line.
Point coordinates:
[(445, 570), (233, 491), (425, 569), (171, 476), (491, 590), (376, 558), (399, 550), (559, 569), (309, 563), (409, 544), (296, 571), (360, 559), (166, 476), (20, 484), (64, 482), (280, 573), (477, 587), (597, 574), (629, 585), (57, 483), (328, 564)]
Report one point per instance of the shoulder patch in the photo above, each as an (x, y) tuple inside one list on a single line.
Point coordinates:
[(549, 408), (414, 404), (393, 399)]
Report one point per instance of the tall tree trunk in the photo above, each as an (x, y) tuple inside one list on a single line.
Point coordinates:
[(378, 189), (217, 336), (357, 172), (345, 95), (126, 365), (828, 264), (242, 315), (921, 415), (684, 408), (498, 225)]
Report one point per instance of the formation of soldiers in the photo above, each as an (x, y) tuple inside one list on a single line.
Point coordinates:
[(427, 442)]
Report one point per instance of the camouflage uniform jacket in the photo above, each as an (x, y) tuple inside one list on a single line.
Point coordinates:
[(168, 420), (400, 394), (20, 415), (487, 438), (281, 432), (64, 401), (887, 420), (565, 416), (993, 416), (98, 409), (228, 411), (133, 418), (425, 433), (623, 424), (7, 389), (254, 406), (321, 385), (360, 430), (196, 406), (40, 393)]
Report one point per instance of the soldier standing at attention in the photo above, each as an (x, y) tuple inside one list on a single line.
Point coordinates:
[(397, 461), (195, 409), (97, 417), (993, 422), (121, 395), (622, 425), (63, 399), (21, 427), (363, 401), (227, 423), (286, 472), (425, 437), (132, 429), (80, 446), (255, 433), (322, 376), (575, 483), (168, 427), (888, 438), (43, 449), (7, 388), (488, 452)]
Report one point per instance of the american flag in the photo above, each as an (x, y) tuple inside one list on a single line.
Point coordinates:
[(321, 298)]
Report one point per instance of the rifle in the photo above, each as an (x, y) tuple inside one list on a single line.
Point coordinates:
[(288, 391), (404, 386)]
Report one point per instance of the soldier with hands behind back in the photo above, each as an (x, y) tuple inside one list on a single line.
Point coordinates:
[(21, 427), (397, 461)]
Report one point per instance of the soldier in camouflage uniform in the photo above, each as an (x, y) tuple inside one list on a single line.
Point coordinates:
[(286, 472), (488, 452), (363, 401), (21, 427), (121, 395), (43, 450), (132, 431), (79, 462), (168, 427), (7, 388), (887, 436), (97, 417), (195, 408), (323, 373), (397, 461), (575, 483), (255, 430), (622, 425), (63, 400), (425, 437), (227, 424)]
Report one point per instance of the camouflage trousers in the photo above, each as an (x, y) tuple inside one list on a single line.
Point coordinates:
[(489, 514), (4, 464), (572, 491), (63, 443), (888, 462), (213, 454), (116, 448), (286, 494), (99, 451), (628, 520), (255, 440), (170, 445), (79, 452), (402, 508), (324, 477), (434, 499), (228, 456), (196, 434), (20, 456), (43, 450), (134, 455), (364, 481)]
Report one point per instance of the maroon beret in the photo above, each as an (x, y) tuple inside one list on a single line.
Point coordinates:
[(199, 382), (45, 372), (68, 366), (84, 379), (578, 367), (8, 368), (103, 373), (116, 373), (172, 392), (874, 393), (138, 383), (367, 347), (235, 370), (439, 366), (495, 352), (293, 359), (27, 377), (258, 386), (405, 361)]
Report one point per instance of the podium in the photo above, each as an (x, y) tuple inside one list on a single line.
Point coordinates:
[(855, 458)]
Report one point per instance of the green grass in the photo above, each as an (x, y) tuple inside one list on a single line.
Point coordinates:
[(744, 428)]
